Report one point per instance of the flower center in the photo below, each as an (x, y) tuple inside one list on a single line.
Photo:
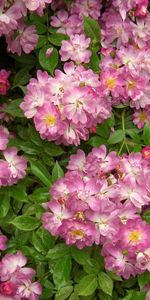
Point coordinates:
[(111, 83), (131, 85), (50, 120), (134, 236), (77, 234), (143, 117), (80, 216), (125, 252)]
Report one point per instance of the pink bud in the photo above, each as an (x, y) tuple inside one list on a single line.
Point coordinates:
[(146, 153), (7, 288)]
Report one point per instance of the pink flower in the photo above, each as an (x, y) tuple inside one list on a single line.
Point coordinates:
[(33, 99), (142, 8), (77, 161), (117, 259), (76, 49), (134, 193), (53, 220), (146, 152), (7, 289), (15, 279), (10, 263), (17, 165), (141, 116), (38, 5), (48, 122), (4, 136), (26, 39), (134, 235), (79, 103), (66, 24), (143, 260), (112, 81), (29, 290), (89, 8), (4, 83), (99, 162), (81, 234)]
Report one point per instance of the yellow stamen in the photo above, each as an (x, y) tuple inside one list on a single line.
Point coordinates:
[(134, 236), (50, 120), (124, 252), (77, 234), (131, 84), (111, 83), (143, 117), (80, 216)]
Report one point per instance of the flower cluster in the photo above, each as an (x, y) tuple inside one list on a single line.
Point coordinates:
[(77, 48), (16, 280), (19, 36), (63, 108), (12, 166), (99, 201), (125, 72)]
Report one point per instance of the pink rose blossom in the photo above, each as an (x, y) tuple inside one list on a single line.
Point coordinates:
[(76, 49)]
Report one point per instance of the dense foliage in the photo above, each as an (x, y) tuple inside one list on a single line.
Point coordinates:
[(74, 150)]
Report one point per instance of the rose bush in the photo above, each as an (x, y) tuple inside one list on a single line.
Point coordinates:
[(74, 150)]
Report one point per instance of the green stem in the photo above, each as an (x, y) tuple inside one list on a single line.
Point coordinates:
[(124, 131)]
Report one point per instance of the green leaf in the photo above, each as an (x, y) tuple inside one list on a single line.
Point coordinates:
[(57, 172), (94, 62), (74, 296), (92, 29), (146, 134), (41, 194), (146, 216), (41, 42), (48, 63), (138, 296), (134, 136), (61, 272), (25, 223), (111, 121), (105, 283), (60, 250), (41, 172), (82, 257), (4, 204), (114, 276), (37, 243), (21, 78), (103, 130), (18, 192), (14, 109), (47, 239), (116, 137), (87, 285), (143, 279), (53, 149), (64, 292), (57, 38), (25, 59), (34, 136), (96, 141)]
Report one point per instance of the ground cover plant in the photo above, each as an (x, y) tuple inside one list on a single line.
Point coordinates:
[(74, 150)]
